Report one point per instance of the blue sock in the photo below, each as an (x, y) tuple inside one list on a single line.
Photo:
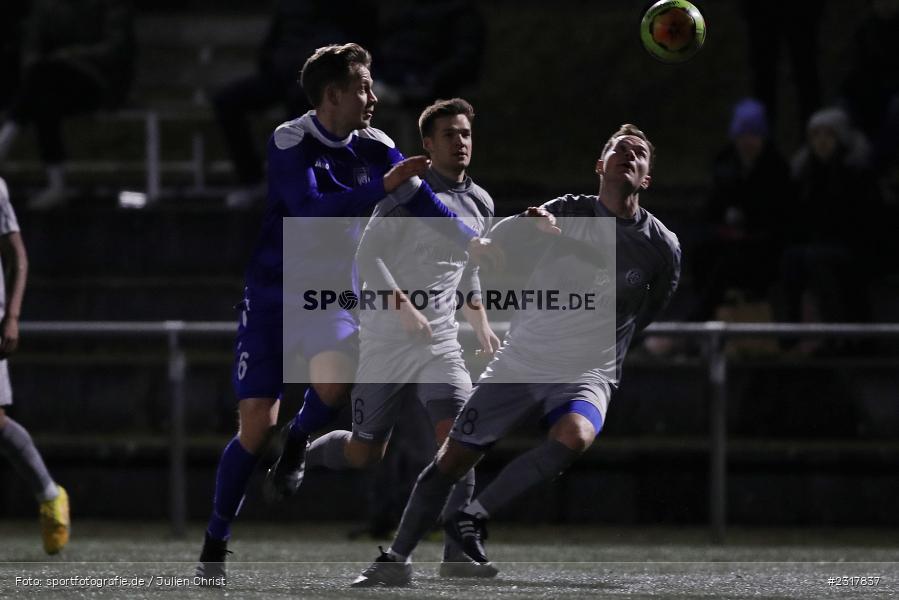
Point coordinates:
[(231, 479), (314, 415)]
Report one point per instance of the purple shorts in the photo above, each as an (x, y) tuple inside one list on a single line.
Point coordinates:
[(261, 342)]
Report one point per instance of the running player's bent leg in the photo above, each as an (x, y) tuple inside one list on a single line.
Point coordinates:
[(459, 497), (463, 490), (330, 373), (570, 436), (257, 417), (16, 444), (431, 491), (338, 450), (574, 431)]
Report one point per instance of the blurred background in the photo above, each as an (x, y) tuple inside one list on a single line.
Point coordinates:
[(136, 174)]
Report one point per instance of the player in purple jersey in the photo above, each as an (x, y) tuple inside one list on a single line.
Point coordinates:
[(647, 257), (327, 163)]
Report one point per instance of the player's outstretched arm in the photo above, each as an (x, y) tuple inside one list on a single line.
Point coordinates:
[(405, 169), (544, 220), (292, 180)]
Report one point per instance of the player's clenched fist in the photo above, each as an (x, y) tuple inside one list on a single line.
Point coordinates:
[(545, 220), (403, 170)]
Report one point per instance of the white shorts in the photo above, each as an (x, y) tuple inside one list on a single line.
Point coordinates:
[(5, 387)]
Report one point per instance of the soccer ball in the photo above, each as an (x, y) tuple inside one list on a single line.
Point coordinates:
[(672, 31)]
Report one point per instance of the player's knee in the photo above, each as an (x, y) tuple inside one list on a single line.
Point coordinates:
[(256, 418), (332, 394), (576, 434), (361, 455), (442, 429), (454, 460)]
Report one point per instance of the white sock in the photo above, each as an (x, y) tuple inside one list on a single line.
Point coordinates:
[(475, 509), (50, 493), (8, 133)]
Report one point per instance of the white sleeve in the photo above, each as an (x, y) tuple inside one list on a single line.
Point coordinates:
[(8, 221)]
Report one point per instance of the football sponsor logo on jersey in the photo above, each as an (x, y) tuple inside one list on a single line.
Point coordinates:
[(321, 163), (360, 174)]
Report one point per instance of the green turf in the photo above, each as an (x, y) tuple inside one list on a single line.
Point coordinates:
[(309, 562)]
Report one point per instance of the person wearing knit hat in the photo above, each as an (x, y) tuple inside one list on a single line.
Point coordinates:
[(750, 184), (834, 198), (831, 133), (749, 117)]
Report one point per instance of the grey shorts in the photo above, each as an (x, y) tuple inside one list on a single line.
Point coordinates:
[(441, 385), (496, 408), (5, 387)]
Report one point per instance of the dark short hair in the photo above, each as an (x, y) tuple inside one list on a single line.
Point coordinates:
[(443, 108), (331, 64), (631, 129)]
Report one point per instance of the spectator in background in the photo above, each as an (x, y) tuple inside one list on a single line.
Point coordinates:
[(417, 61), (772, 25), (297, 29), (833, 218), (79, 57), (872, 86), (750, 187)]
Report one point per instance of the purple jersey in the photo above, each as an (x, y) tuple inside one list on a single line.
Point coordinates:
[(313, 174)]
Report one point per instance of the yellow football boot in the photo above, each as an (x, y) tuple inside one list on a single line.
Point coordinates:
[(55, 522)]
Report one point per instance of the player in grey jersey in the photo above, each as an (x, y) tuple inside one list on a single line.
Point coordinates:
[(647, 268), (407, 350)]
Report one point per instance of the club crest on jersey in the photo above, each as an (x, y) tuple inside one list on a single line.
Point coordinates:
[(602, 278), (634, 277), (360, 174)]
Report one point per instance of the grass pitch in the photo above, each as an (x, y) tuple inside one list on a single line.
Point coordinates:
[(318, 562)]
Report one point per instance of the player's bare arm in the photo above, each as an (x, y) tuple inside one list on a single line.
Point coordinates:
[(13, 255), (404, 170)]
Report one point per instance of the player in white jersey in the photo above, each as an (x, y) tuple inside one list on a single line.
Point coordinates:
[(15, 442), (409, 347), (647, 261)]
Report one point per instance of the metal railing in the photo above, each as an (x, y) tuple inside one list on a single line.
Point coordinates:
[(714, 334)]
